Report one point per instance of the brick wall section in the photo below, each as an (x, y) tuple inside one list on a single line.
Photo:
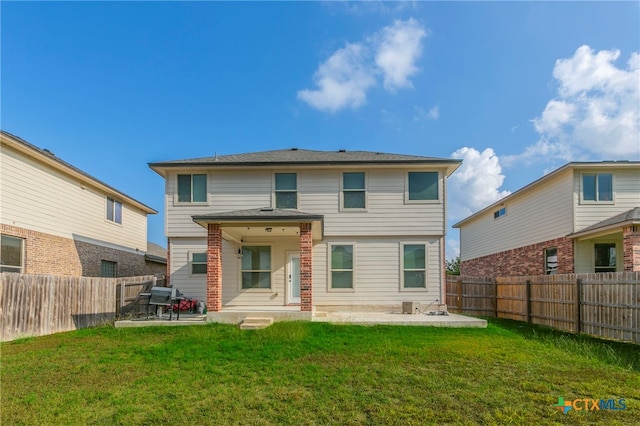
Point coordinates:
[(53, 255), (214, 267), (631, 248), (528, 260), (306, 268)]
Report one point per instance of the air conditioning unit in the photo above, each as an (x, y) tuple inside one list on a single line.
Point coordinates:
[(410, 307)]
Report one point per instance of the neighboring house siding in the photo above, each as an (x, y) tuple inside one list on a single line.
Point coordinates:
[(527, 260), (319, 191), (537, 216), (37, 197), (55, 255), (626, 187)]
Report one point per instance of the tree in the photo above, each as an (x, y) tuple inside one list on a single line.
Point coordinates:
[(453, 266)]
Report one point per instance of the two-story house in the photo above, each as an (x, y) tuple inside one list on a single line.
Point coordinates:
[(581, 217), (56, 219), (307, 229)]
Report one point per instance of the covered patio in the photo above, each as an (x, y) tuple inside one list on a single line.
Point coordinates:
[(260, 235)]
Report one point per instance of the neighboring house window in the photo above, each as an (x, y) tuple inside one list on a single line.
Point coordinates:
[(353, 190), (11, 254), (108, 269), (256, 267), (597, 187), (114, 210), (551, 261), (198, 263), (286, 191), (422, 186), (605, 257), (499, 213), (342, 266), (192, 188), (414, 265)]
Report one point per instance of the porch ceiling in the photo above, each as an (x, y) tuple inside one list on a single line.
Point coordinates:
[(263, 223)]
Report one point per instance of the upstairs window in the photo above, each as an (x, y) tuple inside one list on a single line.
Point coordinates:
[(11, 254), (597, 187), (422, 186), (256, 267), (414, 265), (114, 210), (353, 190), (551, 261), (500, 212), (192, 188), (286, 190)]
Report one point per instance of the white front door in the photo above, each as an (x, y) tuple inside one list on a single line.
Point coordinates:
[(293, 278)]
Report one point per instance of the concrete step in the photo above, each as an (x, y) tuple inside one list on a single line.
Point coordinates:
[(255, 323)]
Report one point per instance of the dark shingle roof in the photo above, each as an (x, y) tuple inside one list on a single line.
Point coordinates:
[(264, 213), (304, 156)]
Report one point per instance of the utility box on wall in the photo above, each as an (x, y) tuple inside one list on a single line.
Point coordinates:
[(409, 307)]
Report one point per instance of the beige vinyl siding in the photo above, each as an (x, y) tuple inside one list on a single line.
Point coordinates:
[(626, 187), (387, 214), (194, 286), (377, 273), (37, 197), (541, 214)]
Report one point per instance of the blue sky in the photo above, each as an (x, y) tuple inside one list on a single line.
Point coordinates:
[(515, 89)]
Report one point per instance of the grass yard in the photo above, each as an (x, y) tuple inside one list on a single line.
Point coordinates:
[(315, 373)]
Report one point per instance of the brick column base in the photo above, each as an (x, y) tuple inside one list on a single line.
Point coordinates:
[(214, 267), (306, 263)]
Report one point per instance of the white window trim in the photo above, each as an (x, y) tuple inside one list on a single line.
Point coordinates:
[(506, 211), (22, 253), (342, 208), (613, 188), (426, 269), (406, 188), (271, 272), (330, 289), (190, 254), (274, 191), (176, 199), (106, 217)]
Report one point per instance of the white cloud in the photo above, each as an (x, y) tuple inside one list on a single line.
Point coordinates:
[(476, 184), (398, 48), (596, 114), (343, 80), (421, 114)]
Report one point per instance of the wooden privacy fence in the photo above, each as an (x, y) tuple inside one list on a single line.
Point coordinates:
[(603, 305), (34, 305)]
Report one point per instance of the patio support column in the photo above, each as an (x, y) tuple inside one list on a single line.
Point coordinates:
[(631, 248), (306, 262), (214, 267)]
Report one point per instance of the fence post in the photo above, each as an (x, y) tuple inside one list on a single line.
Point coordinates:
[(528, 297), (460, 311), (495, 297), (122, 295), (578, 302)]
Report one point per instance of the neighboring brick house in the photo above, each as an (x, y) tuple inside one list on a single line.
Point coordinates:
[(56, 219), (582, 217), (307, 229)]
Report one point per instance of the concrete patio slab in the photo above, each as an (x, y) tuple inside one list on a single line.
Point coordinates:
[(398, 318)]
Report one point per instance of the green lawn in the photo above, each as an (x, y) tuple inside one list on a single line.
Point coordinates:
[(315, 373)]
